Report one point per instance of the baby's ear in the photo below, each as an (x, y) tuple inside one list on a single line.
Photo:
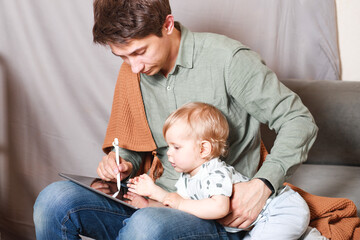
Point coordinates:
[(206, 149)]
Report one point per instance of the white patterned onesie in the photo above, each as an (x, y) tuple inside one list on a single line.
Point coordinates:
[(215, 177)]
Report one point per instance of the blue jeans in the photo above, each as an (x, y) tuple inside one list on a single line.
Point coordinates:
[(63, 210)]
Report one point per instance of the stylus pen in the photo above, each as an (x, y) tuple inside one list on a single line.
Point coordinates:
[(116, 146)]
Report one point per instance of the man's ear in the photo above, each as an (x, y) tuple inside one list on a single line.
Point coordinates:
[(206, 149), (169, 24)]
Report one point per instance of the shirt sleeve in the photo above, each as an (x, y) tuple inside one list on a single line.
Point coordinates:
[(217, 183), (256, 88)]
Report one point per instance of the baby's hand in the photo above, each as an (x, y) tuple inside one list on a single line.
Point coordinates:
[(136, 200), (142, 185), (172, 200)]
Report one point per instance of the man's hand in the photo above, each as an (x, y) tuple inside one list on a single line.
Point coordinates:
[(108, 169), (247, 201)]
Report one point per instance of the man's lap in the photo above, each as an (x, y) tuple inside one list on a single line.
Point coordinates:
[(66, 209), (167, 223)]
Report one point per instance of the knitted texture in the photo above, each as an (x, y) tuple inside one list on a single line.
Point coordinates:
[(263, 154), (335, 218), (128, 121), (129, 124)]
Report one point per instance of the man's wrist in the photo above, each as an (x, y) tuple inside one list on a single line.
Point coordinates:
[(268, 184)]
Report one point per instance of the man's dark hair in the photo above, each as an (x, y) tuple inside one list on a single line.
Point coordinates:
[(118, 21)]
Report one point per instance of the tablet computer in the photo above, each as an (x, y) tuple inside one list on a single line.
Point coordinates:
[(93, 184)]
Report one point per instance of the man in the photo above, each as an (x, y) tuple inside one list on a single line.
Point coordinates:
[(177, 66)]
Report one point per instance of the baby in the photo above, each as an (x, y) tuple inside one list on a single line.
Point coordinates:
[(197, 137)]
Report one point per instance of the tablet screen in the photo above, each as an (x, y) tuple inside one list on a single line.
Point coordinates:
[(99, 186)]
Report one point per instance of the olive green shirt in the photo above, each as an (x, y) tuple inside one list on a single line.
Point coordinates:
[(214, 69)]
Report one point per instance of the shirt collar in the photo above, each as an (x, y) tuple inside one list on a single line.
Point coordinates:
[(186, 49)]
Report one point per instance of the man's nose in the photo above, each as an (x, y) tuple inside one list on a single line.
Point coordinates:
[(136, 65)]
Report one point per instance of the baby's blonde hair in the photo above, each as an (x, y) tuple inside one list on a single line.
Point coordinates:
[(205, 122)]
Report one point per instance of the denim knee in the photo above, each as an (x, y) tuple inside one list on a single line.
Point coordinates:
[(144, 224), (167, 223), (52, 205), (45, 205), (63, 210)]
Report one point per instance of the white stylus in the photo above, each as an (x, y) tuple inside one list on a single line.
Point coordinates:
[(116, 146)]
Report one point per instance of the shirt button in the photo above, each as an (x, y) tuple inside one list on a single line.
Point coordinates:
[(168, 88)]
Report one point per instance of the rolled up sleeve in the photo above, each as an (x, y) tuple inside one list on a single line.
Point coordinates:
[(256, 88)]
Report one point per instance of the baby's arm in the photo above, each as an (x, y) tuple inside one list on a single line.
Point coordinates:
[(208, 208), (145, 186)]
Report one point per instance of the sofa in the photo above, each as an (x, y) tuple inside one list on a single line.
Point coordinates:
[(333, 165)]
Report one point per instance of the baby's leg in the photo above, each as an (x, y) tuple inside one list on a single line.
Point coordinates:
[(286, 217)]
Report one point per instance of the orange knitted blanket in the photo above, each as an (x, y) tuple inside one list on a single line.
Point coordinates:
[(128, 119), (335, 218)]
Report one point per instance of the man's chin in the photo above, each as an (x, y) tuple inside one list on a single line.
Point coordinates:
[(150, 72)]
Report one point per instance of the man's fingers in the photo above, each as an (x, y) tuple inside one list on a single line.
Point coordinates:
[(245, 224), (246, 203), (107, 168), (123, 167), (107, 171), (100, 171), (111, 166), (233, 220), (242, 222), (237, 221), (227, 220)]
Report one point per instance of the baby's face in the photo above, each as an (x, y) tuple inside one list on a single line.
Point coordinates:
[(184, 149)]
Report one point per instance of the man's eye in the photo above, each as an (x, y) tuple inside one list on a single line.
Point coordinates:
[(140, 53)]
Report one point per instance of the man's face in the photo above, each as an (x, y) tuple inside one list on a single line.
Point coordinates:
[(148, 55)]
